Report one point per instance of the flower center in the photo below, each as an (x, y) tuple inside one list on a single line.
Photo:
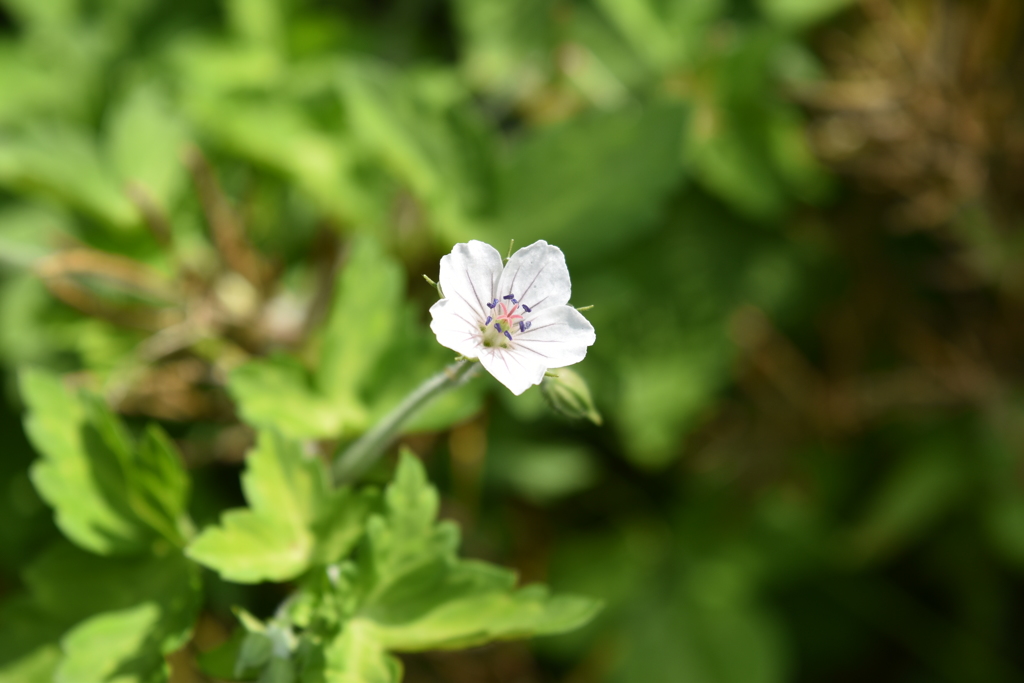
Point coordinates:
[(499, 328)]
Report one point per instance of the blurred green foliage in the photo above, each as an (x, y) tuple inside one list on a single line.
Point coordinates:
[(214, 216)]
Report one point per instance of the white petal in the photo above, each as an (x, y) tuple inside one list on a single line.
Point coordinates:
[(513, 370), (557, 337), (454, 327), (537, 275), (469, 275)]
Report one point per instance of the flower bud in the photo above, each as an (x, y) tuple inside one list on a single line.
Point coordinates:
[(567, 392)]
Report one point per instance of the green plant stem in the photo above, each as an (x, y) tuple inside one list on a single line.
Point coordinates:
[(361, 455)]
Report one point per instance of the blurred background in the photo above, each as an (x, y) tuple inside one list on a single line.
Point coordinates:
[(799, 221)]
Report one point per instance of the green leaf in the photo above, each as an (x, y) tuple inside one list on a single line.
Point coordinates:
[(355, 656), (109, 496), (145, 143), (364, 319), (555, 185), (278, 393), (507, 44), (63, 162), (38, 666), (415, 125), (405, 590), (280, 136), (418, 595), (801, 14), (68, 586), (26, 630), (921, 488), (29, 232), (72, 584), (107, 647), (294, 519)]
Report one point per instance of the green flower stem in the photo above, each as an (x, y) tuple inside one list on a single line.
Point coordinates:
[(361, 455)]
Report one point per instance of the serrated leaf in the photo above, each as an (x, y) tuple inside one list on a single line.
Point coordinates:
[(418, 595), (406, 590), (469, 604), (293, 520), (108, 496)]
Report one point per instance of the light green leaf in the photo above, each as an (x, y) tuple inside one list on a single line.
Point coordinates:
[(419, 595), (355, 656), (278, 393), (145, 143), (507, 44), (64, 163), (294, 518), (405, 590), (29, 232), (259, 21), (414, 124), (277, 134), (111, 648), (364, 319), (250, 547), (82, 471), (468, 604), (801, 14), (646, 29)]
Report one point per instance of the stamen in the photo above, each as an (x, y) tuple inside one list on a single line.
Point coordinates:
[(488, 321), (522, 326), (527, 308), (497, 327), (510, 296), (526, 325), (492, 304), (508, 335), (514, 301)]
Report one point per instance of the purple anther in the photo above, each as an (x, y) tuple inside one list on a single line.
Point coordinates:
[(492, 304), (514, 301), (488, 321), (522, 326), (527, 308), (526, 325), (509, 296), (497, 327), (508, 335)]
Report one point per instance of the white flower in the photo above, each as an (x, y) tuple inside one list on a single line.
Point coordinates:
[(513, 318)]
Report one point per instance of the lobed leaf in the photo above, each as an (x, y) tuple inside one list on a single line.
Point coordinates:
[(109, 495), (294, 518)]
